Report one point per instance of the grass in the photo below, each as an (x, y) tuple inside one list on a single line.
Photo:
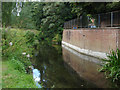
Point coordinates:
[(15, 64), (12, 78), (0, 74)]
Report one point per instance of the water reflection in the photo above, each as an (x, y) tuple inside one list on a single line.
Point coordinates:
[(70, 72), (85, 66), (53, 73), (36, 76)]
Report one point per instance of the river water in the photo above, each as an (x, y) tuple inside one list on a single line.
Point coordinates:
[(62, 67)]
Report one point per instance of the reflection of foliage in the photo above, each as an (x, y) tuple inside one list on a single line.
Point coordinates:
[(47, 61), (52, 68)]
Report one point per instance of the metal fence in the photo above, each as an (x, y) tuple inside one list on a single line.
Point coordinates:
[(111, 19)]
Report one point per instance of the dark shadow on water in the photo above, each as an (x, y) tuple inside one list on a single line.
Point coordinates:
[(59, 68)]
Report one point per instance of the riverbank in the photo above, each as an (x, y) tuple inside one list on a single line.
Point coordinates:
[(12, 78), (17, 48)]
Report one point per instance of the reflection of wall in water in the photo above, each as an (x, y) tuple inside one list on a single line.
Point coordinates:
[(85, 69)]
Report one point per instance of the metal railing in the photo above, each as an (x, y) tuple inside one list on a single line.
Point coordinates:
[(111, 19)]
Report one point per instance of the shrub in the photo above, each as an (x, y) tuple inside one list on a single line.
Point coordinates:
[(30, 36), (57, 38), (112, 66), (13, 45)]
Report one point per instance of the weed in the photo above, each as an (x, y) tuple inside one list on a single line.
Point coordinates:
[(112, 66), (14, 44)]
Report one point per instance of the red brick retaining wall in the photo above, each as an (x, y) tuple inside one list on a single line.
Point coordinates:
[(100, 40)]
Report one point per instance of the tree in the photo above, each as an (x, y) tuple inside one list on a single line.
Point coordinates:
[(37, 13), (24, 20), (50, 17), (94, 7), (6, 13)]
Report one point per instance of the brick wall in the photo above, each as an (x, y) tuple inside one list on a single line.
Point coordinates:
[(119, 39), (100, 40)]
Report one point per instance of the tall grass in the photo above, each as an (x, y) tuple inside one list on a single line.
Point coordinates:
[(112, 66)]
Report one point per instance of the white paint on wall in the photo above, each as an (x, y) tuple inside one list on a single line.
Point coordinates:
[(86, 51), (83, 56)]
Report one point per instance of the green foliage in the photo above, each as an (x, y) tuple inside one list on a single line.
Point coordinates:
[(49, 18), (30, 36), (6, 13), (112, 66), (113, 6), (12, 77), (37, 13), (94, 7), (14, 44), (18, 65), (17, 40), (57, 39), (15, 52), (25, 18)]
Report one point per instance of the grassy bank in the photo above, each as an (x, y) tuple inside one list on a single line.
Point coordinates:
[(17, 48), (13, 78)]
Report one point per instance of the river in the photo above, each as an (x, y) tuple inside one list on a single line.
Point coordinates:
[(62, 67)]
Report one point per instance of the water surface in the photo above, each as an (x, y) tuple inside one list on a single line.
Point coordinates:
[(62, 68)]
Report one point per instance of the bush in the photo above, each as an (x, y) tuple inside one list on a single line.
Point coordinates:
[(30, 36), (57, 39), (14, 44), (112, 66)]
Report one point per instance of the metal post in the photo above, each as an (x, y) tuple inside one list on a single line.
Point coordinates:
[(81, 21), (88, 21), (74, 22), (111, 19), (69, 24), (98, 20), (65, 25)]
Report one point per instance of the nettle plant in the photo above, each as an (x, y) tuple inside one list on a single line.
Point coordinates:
[(112, 66)]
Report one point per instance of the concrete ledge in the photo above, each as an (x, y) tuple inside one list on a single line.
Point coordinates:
[(86, 51)]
